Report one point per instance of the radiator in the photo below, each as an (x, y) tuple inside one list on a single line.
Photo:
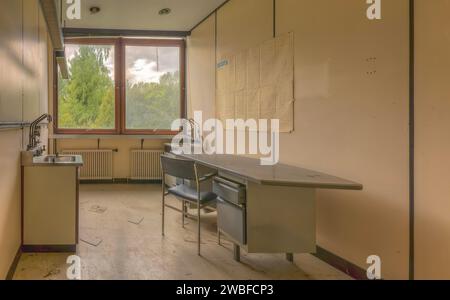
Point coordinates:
[(98, 164), (145, 164)]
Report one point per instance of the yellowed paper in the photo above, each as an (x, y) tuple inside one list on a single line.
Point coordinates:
[(241, 71), (268, 62), (220, 105), (285, 92), (253, 104), (268, 103), (259, 83), (253, 68), (241, 105), (226, 74), (231, 87), (229, 106), (286, 117), (285, 104), (284, 58)]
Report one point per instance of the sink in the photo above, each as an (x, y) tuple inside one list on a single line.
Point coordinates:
[(59, 159), (30, 160)]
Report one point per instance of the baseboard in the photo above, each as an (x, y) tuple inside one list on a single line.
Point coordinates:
[(49, 248), (341, 264), (83, 181), (121, 181), (156, 181), (15, 263)]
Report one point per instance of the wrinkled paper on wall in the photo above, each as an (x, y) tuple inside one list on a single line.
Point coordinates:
[(258, 83)]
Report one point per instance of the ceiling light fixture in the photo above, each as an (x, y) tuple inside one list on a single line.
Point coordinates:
[(165, 11), (94, 10)]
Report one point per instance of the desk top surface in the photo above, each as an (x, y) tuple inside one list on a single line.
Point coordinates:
[(279, 175)]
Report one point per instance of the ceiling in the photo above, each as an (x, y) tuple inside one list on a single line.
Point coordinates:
[(142, 14)]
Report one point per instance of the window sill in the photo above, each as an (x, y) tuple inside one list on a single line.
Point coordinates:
[(109, 137)]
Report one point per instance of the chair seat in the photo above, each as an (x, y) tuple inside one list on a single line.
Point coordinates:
[(190, 194)]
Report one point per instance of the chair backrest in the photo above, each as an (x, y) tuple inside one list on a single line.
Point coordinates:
[(180, 168)]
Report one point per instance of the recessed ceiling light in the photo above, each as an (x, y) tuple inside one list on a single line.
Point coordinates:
[(94, 10), (165, 11)]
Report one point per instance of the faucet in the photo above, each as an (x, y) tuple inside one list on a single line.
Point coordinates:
[(34, 131), (195, 130)]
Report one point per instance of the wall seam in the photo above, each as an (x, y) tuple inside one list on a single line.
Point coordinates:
[(207, 17), (22, 79), (411, 141), (274, 18)]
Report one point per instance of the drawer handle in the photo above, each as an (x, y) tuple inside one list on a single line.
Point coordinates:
[(226, 202), (228, 188)]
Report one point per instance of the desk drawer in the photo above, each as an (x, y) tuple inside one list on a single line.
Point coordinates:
[(231, 219), (229, 191)]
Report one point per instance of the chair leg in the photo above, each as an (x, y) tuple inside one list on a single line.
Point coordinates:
[(163, 211), (218, 236), (183, 209), (199, 241)]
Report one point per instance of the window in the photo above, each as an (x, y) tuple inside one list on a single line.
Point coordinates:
[(87, 101), (121, 86), (152, 84)]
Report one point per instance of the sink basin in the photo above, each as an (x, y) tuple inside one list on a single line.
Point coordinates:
[(29, 160), (59, 159)]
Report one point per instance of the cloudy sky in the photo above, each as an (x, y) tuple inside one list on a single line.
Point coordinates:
[(148, 64), (143, 63)]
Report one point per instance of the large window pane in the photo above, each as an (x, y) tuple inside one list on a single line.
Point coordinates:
[(152, 87), (87, 99)]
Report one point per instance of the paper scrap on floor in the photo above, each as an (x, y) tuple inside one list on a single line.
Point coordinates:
[(93, 241), (98, 209), (135, 220)]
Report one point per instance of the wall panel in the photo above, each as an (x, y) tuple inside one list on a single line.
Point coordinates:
[(201, 53), (11, 68), (31, 60), (351, 114), (353, 122), (432, 220), (242, 24), (23, 90)]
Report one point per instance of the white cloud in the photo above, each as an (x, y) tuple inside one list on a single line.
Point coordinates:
[(144, 71)]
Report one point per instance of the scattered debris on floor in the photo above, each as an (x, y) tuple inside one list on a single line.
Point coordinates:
[(135, 220), (140, 252), (52, 273), (93, 241), (98, 209), (194, 241)]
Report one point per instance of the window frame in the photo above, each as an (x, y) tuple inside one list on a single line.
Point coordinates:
[(120, 84), (152, 43), (91, 41)]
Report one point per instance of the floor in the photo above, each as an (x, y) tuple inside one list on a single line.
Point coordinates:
[(120, 228)]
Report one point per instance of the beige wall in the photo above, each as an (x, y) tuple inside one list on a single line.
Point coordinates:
[(352, 124), (347, 122), (243, 24), (201, 57), (432, 39), (23, 60)]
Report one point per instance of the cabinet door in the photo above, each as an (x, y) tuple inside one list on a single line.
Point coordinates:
[(50, 206)]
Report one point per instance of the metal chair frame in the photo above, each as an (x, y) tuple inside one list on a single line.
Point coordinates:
[(198, 180)]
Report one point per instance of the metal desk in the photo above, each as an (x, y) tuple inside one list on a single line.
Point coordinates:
[(280, 202)]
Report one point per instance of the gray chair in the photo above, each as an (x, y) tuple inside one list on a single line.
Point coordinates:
[(186, 170)]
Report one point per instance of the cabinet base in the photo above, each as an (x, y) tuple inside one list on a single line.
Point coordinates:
[(49, 248)]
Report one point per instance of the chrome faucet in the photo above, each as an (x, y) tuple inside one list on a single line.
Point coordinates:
[(195, 131), (35, 131)]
